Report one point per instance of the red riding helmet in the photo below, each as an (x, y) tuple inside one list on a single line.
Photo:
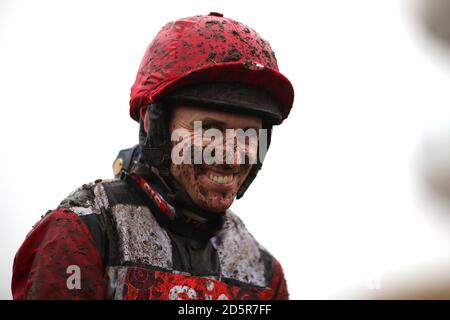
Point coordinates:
[(208, 49)]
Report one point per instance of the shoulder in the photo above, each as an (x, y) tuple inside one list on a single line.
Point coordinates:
[(248, 259), (88, 199), (100, 195), (62, 219), (100, 205), (78, 218), (235, 229), (242, 257), (59, 240)]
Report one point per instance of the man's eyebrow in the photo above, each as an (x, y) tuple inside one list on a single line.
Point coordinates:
[(256, 128), (209, 121), (220, 124)]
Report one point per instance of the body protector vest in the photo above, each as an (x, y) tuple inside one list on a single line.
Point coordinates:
[(127, 240)]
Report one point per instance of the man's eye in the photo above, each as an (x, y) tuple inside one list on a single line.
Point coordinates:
[(209, 126)]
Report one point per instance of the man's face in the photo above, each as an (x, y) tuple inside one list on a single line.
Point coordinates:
[(213, 186)]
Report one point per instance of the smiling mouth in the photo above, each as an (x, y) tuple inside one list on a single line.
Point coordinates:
[(220, 178)]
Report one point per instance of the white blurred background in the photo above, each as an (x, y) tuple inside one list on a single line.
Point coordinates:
[(354, 196)]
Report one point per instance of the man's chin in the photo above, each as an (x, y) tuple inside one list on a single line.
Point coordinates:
[(216, 204)]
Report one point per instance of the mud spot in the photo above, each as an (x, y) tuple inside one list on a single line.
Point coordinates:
[(237, 34), (219, 36), (233, 55), (266, 53), (211, 55), (203, 191), (214, 22)]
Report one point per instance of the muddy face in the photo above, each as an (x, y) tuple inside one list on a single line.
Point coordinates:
[(213, 186)]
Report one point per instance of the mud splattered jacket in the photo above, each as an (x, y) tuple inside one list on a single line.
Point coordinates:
[(129, 242)]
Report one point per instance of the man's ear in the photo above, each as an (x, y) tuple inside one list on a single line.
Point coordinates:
[(144, 116)]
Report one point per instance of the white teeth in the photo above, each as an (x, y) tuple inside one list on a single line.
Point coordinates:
[(220, 179)]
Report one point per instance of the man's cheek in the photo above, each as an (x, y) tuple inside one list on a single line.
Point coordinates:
[(241, 179), (182, 173)]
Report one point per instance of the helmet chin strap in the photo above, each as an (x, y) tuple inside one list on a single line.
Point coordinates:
[(155, 143), (154, 160), (256, 167)]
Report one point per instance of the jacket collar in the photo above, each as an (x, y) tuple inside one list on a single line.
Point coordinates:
[(177, 219)]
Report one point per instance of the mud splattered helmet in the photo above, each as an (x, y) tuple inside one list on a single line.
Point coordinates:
[(206, 60), (211, 49)]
